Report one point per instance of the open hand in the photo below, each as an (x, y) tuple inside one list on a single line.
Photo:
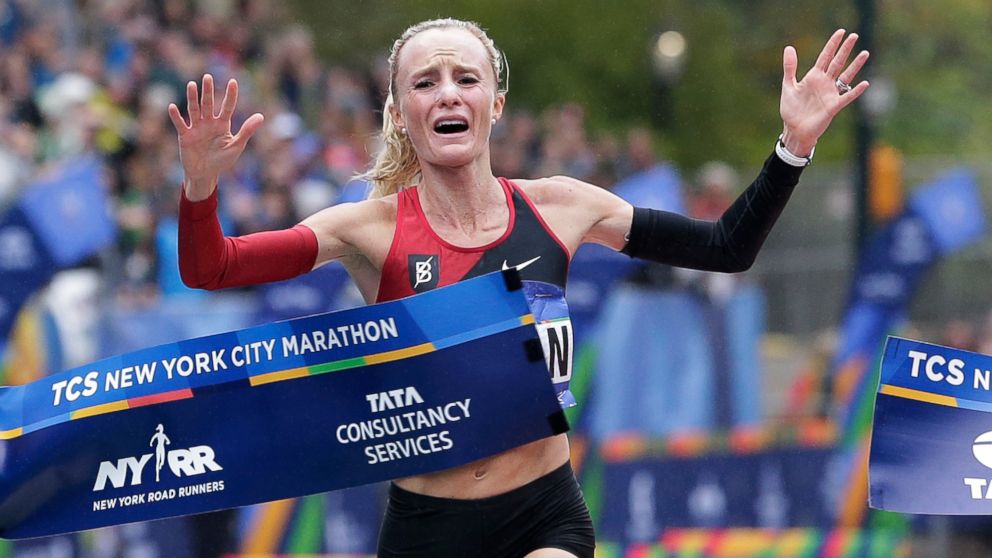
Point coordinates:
[(808, 106), (206, 145)]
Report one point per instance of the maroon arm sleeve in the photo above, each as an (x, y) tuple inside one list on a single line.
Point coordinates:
[(209, 260)]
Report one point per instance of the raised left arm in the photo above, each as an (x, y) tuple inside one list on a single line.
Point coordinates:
[(731, 243)]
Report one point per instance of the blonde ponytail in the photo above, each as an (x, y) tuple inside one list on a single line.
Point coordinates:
[(396, 164)]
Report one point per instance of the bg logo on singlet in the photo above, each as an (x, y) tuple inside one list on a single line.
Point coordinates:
[(186, 462), (425, 271)]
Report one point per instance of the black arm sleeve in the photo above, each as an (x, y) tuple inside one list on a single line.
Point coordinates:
[(729, 244)]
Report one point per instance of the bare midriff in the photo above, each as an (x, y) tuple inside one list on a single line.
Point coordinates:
[(493, 475)]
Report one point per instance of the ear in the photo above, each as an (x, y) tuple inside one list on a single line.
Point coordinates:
[(396, 115), (498, 104)]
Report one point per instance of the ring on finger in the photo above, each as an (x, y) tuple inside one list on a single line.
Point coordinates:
[(842, 87)]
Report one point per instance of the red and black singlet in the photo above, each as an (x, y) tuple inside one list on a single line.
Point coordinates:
[(420, 260)]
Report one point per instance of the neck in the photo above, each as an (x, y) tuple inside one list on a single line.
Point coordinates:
[(467, 198)]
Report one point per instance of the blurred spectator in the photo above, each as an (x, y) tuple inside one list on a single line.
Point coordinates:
[(715, 192), (565, 149), (984, 341), (734, 312), (640, 155), (960, 335), (716, 189)]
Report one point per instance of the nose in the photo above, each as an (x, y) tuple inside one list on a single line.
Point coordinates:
[(448, 94)]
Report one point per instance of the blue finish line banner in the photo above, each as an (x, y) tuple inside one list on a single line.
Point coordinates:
[(281, 410), (931, 447)]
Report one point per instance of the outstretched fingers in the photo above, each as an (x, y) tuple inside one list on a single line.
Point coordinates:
[(848, 75), (230, 101), (200, 104), (829, 50), (840, 58)]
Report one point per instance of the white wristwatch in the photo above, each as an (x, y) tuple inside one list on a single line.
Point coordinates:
[(789, 158)]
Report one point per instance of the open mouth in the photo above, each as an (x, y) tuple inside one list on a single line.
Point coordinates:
[(450, 126)]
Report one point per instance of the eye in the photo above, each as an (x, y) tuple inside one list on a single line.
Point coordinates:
[(468, 80), (423, 84)]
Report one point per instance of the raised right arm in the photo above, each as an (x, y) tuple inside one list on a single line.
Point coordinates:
[(208, 259)]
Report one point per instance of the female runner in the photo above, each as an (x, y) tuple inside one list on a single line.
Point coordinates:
[(437, 215)]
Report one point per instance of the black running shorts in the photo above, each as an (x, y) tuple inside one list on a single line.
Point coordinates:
[(546, 513)]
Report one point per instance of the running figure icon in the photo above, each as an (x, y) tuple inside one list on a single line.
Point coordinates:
[(159, 440)]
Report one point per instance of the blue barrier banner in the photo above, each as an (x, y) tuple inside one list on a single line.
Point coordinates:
[(275, 411), (931, 446), (776, 488)]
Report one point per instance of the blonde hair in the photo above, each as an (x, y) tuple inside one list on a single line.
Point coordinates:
[(396, 164)]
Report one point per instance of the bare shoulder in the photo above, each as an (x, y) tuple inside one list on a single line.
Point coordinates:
[(558, 190), (361, 228), (348, 215), (579, 211)]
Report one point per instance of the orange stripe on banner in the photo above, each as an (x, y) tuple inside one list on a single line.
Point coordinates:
[(390, 356), (741, 542), (816, 432), (11, 434), (918, 395), (695, 541), (270, 523), (160, 398), (623, 447), (792, 543), (750, 439), (99, 410), (856, 502), (688, 444), (271, 377), (527, 320)]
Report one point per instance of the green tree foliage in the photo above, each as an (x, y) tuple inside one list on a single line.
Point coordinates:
[(724, 103), (938, 57)]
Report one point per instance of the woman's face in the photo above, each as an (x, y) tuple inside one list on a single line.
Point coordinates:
[(446, 96)]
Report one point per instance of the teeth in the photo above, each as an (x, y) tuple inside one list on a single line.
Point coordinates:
[(451, 122)]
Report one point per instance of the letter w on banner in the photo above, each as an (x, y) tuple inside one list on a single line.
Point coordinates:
[(931, 445), (281, 410)]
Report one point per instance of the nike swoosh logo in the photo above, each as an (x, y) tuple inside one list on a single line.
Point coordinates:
[(518, 267)]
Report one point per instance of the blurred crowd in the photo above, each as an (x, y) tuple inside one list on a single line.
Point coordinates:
[(96, 77)]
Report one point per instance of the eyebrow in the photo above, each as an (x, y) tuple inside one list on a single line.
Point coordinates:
[(433, 67)]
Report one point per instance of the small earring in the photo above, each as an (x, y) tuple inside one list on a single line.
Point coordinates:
[(403, 131), (494, 121)]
